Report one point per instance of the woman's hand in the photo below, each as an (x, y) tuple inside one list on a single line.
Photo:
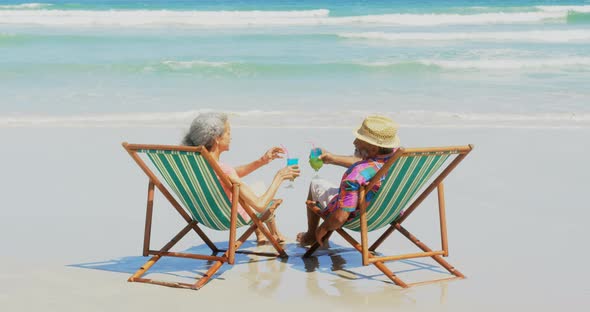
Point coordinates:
[(288, 173), (272, 154)]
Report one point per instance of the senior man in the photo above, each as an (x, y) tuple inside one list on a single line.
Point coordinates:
[(376, 141)]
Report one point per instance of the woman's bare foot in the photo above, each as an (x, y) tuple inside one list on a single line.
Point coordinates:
[(274, 204), (279, 237), (305, 239), (260, 238)]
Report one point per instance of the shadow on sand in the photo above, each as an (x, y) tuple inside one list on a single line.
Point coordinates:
[(343, 262)]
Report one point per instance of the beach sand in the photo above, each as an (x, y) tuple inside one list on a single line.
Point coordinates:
[(73, 207)]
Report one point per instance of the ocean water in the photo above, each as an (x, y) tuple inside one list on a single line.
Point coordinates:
[(287, 63)]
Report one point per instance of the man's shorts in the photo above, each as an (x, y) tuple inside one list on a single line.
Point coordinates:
[(322, 191)]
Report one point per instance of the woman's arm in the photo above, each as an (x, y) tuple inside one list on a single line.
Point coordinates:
[(246, 169), (259, 203), (270, 155)]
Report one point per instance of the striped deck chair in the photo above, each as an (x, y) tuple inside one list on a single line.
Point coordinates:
[(406, 174), (192, 175)]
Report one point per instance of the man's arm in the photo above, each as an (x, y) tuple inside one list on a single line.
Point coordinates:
[(338, 160)]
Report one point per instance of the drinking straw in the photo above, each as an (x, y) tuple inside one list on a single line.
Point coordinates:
[(285, 149)]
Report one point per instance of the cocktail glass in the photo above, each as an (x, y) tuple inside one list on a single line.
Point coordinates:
[(291, 162), (314, 158)]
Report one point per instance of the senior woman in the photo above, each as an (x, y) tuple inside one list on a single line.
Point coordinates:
[(213, 131)]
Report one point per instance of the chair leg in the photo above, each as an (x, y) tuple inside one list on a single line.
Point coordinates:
[(217, 265), (144, 268), (204, 237), (315, 245), (425, 248), (207, 276), (382, 238), (442, 219), (311, 250), (148, 219), (381, 266), (258, 223), (245, 236)]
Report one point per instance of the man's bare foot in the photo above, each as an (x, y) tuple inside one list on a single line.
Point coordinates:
[(305, 239)]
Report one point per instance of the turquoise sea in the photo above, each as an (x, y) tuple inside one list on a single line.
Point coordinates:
[(295, 63)]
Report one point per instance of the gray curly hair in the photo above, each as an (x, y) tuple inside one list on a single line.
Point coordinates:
[(204, 129)]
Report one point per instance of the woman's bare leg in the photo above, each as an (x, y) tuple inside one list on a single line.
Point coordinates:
[(270, 224)]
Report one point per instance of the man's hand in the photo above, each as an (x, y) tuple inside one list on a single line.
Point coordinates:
[(338, 160), (326, 157), (272, 154)]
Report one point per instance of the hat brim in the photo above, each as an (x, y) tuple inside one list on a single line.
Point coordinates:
[(393, 144)]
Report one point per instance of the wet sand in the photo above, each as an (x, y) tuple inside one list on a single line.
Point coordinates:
[(72, 222)]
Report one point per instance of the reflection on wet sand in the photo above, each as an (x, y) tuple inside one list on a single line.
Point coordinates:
[(336, 274), (266, 276)]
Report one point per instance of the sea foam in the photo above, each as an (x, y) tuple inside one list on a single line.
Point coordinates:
[(383, 66), (548, 36), (300, 119), (564, 8), (24, 6), (503, 64), (151, 18)]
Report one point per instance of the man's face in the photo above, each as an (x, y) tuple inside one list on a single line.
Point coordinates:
[(364, 150)]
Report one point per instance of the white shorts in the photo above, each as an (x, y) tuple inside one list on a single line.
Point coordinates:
[(323, 191)]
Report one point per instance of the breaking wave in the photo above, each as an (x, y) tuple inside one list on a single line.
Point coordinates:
[(155, 18), (548, 36), (25, 6)]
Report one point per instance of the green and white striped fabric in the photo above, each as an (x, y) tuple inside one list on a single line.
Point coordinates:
[(195, 183), (406, 177)]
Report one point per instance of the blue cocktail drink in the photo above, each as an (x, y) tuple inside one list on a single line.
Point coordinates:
[(292, 162)]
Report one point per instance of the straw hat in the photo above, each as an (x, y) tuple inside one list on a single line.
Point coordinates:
[(379, 131)]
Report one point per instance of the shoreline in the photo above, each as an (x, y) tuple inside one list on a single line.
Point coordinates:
[(256, 119)]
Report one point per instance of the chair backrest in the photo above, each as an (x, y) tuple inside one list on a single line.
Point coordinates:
[(196, 184), (407, 175)]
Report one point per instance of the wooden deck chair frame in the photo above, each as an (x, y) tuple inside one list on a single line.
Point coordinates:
[(367, 251), (229, 253)]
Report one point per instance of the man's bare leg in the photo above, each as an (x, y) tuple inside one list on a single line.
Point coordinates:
[(313, 220)]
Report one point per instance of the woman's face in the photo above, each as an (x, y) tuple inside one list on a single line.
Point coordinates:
[(225, 139)]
